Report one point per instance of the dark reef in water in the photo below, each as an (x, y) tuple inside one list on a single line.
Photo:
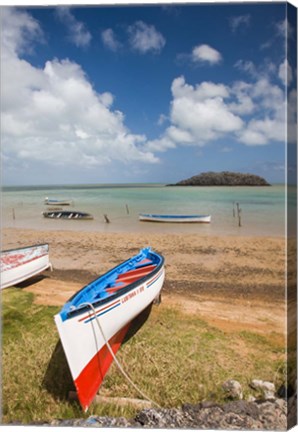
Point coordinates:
[(224, 178)]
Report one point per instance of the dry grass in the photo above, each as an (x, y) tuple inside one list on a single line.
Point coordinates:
[(174, 358)]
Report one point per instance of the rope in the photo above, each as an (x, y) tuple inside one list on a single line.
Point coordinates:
[(116, 360)]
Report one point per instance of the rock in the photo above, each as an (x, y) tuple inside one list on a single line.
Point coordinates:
[(272, 416), (224, 178), (162, 418), (243, 415), (242, 408), (233, 389), (237, 414), (250, 398), (266, 387)]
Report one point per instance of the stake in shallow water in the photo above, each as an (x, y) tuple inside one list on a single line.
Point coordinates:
[(239, 214)]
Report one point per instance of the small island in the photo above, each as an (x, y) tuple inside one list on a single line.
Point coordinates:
[(224, 178)]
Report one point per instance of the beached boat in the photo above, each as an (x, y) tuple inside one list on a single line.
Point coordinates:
[(67, 215), (94, 322), (174, 218), (57, 202), (18, 265)]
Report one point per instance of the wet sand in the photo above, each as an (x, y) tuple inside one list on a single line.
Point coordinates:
[(233, 283)]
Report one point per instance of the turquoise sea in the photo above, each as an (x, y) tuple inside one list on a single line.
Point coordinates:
[(263, 209)]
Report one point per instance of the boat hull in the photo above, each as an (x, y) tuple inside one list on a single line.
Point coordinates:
[(73, 215), (18, 265), (84, 335), (57, 202), (175, 218)]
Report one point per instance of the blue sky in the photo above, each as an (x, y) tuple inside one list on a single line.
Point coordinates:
[(144, 93)]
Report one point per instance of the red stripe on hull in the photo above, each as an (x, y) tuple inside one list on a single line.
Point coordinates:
[(90, 379)]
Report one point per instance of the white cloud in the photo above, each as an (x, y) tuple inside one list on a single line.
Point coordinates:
[(144, 38), (54, 115), (285, 73), (205, 53), (17, 31), (243, 103), (250, 113), (269, 123), (247, 66), (239, 21), (261, 132), (78, 34), (109, 39), (284, 29), (198, 114)]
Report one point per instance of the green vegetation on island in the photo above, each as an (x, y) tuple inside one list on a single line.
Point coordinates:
[(223, 178)]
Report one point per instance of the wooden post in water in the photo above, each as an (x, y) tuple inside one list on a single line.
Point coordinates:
[(127, 209), (234, 209), (239, 214), (13, 214), (106, 218)]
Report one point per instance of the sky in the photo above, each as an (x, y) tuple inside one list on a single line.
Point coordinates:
[(151, 93)]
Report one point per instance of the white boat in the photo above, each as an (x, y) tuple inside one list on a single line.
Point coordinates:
[(18, 265), (94, 322), (174, 218), (57, 202)]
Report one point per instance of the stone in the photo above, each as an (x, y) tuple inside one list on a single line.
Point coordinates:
[(267, 388), (233, 389)]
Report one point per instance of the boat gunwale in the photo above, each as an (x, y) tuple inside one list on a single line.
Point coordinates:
[(112, 297), (25, 247), (83, 215), (174, 216)]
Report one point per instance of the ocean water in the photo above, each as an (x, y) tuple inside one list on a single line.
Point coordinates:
[(262, 208)]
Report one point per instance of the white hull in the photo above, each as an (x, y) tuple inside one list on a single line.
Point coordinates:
[(21, 264), (55, 202), (84, 343), (175, 218)]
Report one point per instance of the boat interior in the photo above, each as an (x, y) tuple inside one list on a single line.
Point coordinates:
[(114, 281)]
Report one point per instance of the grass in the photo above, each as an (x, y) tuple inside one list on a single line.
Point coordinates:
[(174, 358)]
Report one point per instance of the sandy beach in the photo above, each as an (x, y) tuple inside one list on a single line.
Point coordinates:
[(234, 283)]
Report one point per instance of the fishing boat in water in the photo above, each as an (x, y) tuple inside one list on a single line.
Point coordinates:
[(18, 265), (57, 202), (174, 218), (94, 322), (57, 214)]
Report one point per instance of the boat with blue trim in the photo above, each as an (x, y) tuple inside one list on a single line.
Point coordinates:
[(178, 218), (96, 319), (57, 202)]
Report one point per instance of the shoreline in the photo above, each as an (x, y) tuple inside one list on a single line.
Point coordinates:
[(128, 224), (233, 282)]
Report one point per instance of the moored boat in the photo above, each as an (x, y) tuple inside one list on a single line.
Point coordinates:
[(94, 322), (174, 218), (57, 202), (63, 214), (18, 265)]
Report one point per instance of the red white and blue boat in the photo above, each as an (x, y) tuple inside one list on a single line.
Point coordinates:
[(94, 322), (18, 265), (178, 218)]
